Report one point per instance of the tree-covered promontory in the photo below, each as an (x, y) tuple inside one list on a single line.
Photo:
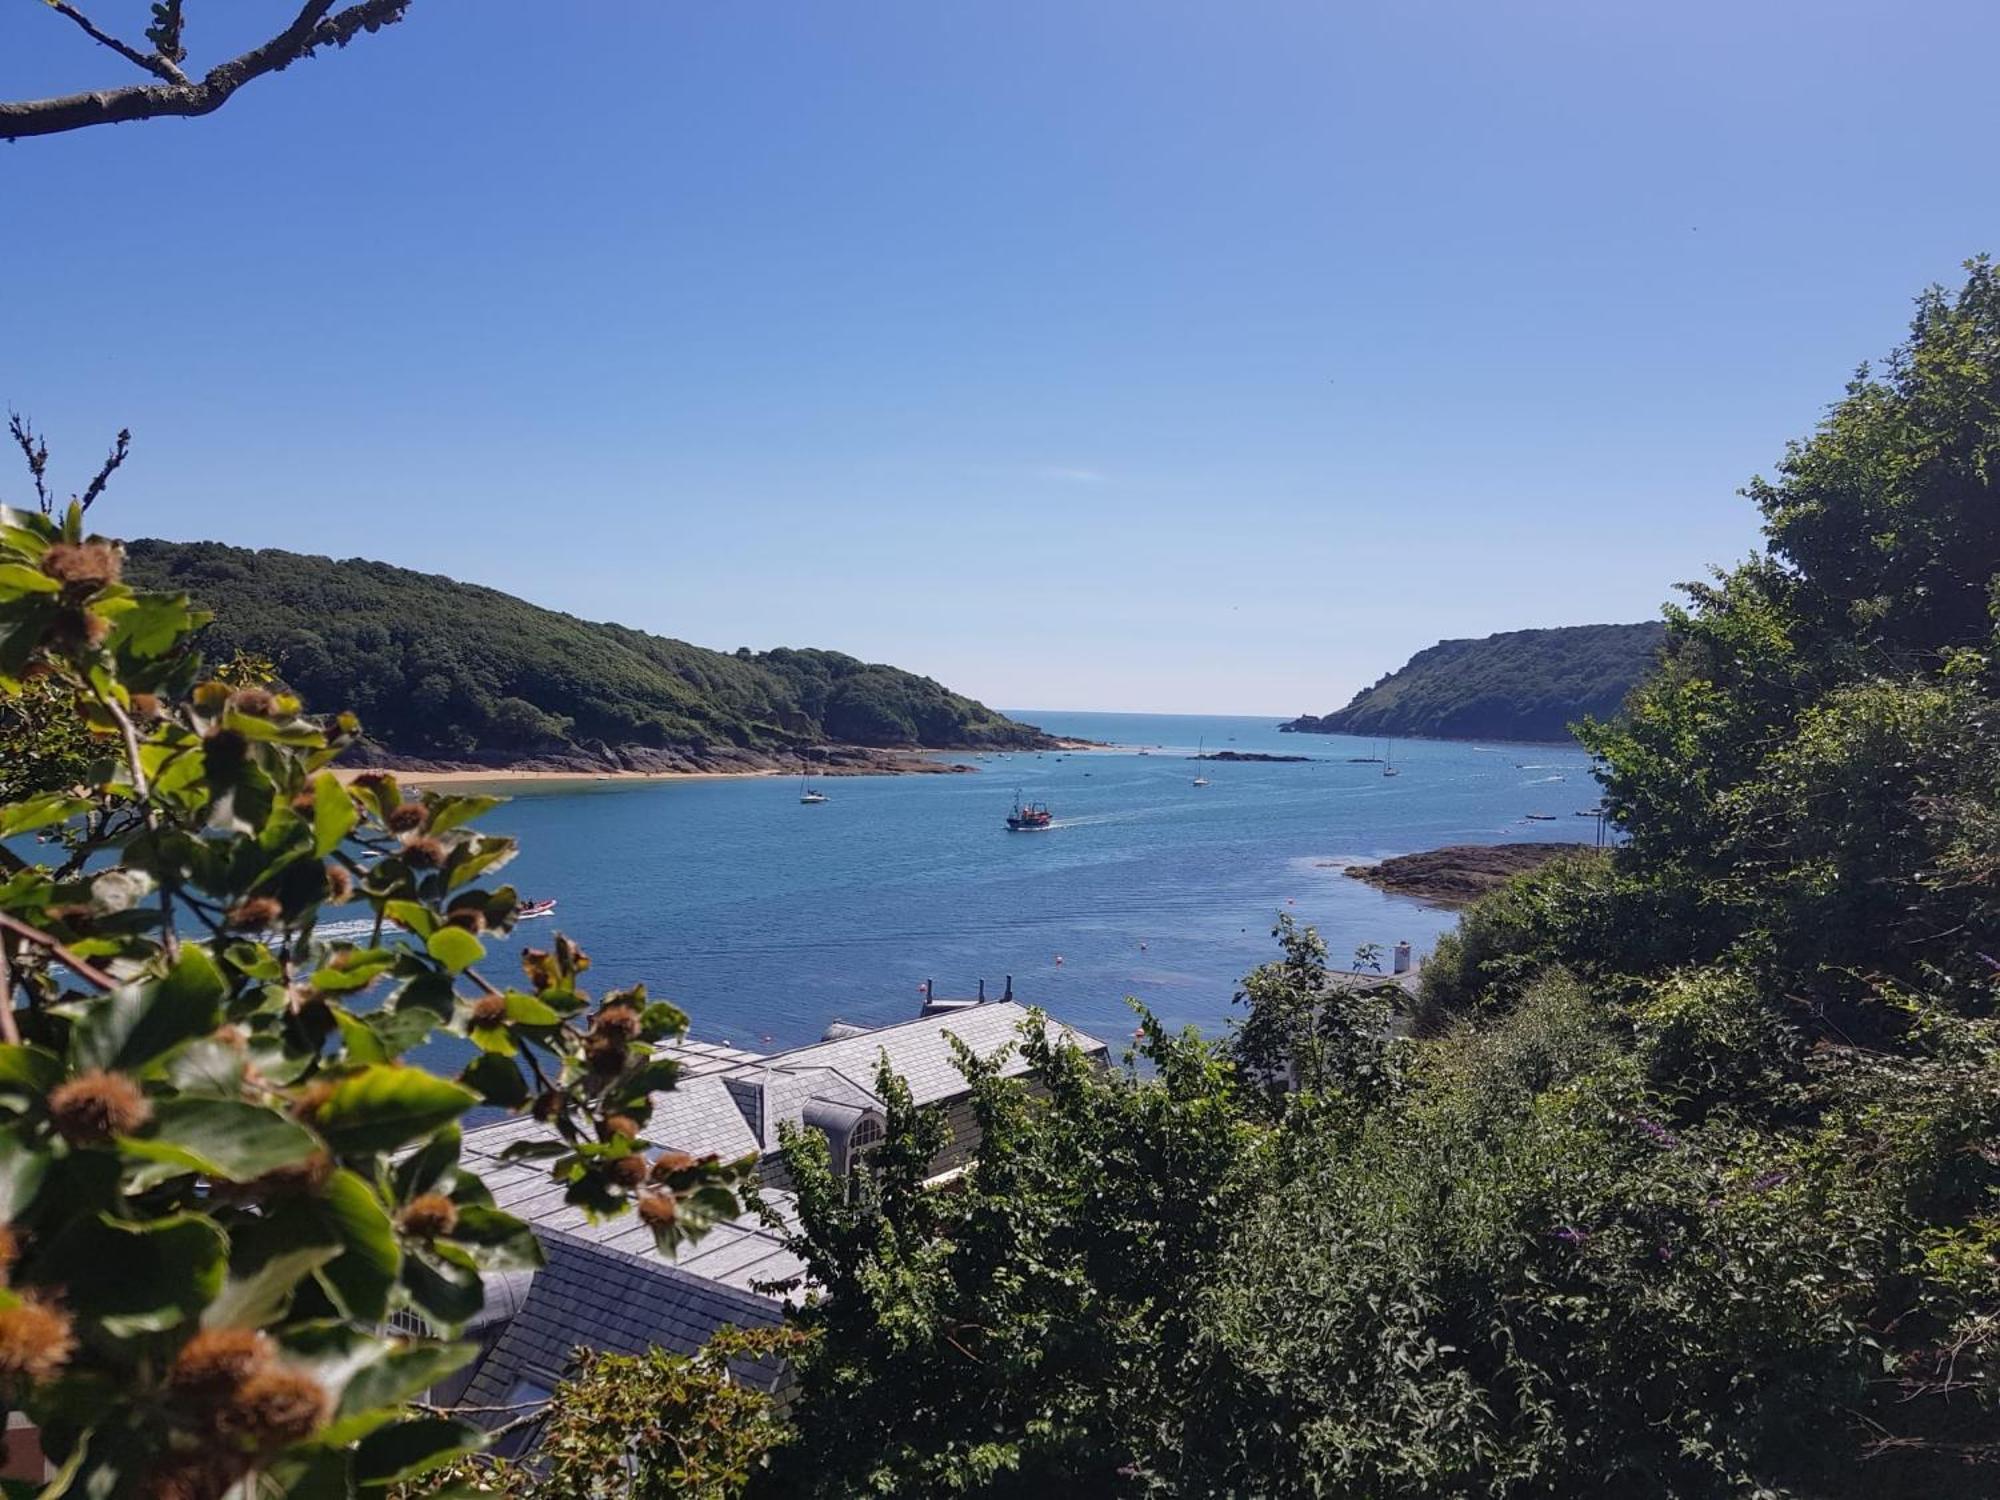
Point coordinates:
[(1518, 685), (448, 671)]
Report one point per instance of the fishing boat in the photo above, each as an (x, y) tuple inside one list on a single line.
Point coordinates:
[(1027, 817), (1199, 746), (809, 794), (1539, 817), (529, 909)]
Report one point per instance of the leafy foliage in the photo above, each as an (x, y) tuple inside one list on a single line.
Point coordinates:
[(441, 668), (646, 1426), (219, 1179), (1519, 685), (1692, 1187)]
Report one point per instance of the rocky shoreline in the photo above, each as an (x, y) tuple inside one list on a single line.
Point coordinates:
[(1461, 874), (687, 760)]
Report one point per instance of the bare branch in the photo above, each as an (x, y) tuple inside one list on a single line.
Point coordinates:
[(159, 67), (87, 972), (312, 29), (121, 447), (36, 451)]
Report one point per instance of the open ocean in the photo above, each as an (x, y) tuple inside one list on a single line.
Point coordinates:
[(766, 919)]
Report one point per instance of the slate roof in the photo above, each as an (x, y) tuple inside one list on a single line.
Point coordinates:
[(919, 1052), (734, 1253), (623, 1304)]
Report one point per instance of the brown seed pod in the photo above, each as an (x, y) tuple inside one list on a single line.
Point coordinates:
[(190, 1476), (339, 883), (604, 1055), (620, 1021), (423, 853), (306, 1103), (548, 1104), (10, 1251), (254, 913), (428, 1215), (274, 1408), (253, 701), (671, 1163), (489, 1010), (36, 1341), (216, 1361), (95, 1106), (145, 705), (658, 1210), (623, 1125), (407, 817), (298, 1179), (91, 564), (628, 1171)]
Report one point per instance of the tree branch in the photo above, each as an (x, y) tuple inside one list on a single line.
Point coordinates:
[(158, 66), (36, 452), (112, 460), (87, 972), (310, 30)]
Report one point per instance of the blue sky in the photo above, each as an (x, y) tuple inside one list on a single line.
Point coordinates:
[(1110, 354)]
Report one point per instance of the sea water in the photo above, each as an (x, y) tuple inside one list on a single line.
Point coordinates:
[(766, 919)]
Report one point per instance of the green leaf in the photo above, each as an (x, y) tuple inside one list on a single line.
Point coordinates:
[(35, 1069), (142, 1277), (420, 1170), (208, 1068), (503, 1242), (446, 1292), (455, 948), (498, 1080), (396, 1454), (386, 1106), (17, 579), (414, 915), (223, 1138), (363, 1044), (333, 813), (452, 812), (262, 1296), (393, 1377), (526, 1010), (361, 1279), (21, 1172), (135, 1024), (31, 813)]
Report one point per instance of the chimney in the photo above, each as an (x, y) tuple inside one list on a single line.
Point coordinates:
[(1402, 960), (982, 992), (1010, 988)]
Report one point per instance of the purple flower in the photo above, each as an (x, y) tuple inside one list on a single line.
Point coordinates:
[(1658, 1134), (1665, 1252), (1763, 1182), (1990, 959), (1570, 1236)]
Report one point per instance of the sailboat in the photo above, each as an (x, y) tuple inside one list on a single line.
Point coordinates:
[(808, 793), (1200, 745), (1389, 761)]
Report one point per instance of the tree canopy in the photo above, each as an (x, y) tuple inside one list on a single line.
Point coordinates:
[(439, 668), (1685, 1184)]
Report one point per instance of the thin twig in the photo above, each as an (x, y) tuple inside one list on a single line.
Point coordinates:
[(83, 970), (36, 452), (8, 1029), (158, 66), (120, 447)]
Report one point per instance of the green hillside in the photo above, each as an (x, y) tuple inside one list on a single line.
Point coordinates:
[(445, 669), (1520, 685)]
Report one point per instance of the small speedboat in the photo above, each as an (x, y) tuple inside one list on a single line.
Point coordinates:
[(529, 909)]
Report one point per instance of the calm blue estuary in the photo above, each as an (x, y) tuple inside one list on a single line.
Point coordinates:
[(767, 919)]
